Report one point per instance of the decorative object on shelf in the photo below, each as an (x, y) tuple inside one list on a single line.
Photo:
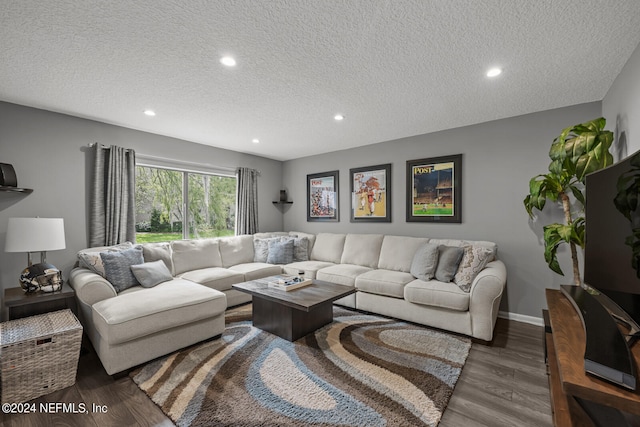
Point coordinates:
[(283, 195), (7, 175), (371, 193), (576, 152), (434, 189), (37, 235), (323, 197)]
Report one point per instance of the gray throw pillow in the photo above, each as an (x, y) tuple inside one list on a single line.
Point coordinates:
[(261, 249), (448, 260), (425, 262), (117, 267), (300, 249), (280, 252), (152, 273)]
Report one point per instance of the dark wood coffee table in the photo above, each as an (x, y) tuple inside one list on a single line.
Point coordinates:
[(293, 314)]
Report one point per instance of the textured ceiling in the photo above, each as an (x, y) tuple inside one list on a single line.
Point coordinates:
[(394, 68)]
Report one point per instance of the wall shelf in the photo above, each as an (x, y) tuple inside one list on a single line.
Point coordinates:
[(278, 202), (6, 189)]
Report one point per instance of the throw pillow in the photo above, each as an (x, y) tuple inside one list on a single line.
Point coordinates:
[(300, 247), (425, 262), (280, 252), (261, 249), (152, 273), (90, 258), (475, 258), (448, 260), (117, 266)]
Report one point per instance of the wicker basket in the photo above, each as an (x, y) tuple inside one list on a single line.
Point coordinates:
[(38, 355)]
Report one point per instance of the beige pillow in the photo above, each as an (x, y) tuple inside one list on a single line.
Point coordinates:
[(474, 259)]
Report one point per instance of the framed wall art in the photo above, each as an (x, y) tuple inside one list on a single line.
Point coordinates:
[(371, 194), (434, 189), (322, 197)]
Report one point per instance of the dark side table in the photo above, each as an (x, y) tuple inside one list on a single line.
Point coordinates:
[(20, 304)]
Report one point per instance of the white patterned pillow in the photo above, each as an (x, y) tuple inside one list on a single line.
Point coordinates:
[(90, 258), (474, 259)]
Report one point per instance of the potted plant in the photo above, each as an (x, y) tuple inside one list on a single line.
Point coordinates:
[(576, 152)]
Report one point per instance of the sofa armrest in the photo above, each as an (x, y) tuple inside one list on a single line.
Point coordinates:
[(89, 286), (485, 295)]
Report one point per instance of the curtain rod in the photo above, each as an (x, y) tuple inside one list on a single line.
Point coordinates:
[(177, 162)]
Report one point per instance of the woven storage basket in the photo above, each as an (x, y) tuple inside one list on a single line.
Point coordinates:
[(38, 355)]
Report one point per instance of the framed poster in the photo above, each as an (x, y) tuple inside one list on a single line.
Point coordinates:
[(434, 189), (322, 197), (371, 194)]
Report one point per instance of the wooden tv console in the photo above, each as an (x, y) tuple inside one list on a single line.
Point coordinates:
[(576, 395)]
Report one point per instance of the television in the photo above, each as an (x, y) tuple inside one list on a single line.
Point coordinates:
[(612, 247)]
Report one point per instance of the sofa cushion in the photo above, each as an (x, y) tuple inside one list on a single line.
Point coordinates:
[(280, 252), (158, 251), (310, 268), (384, 282), (170, 304), (151, 273), (90, 258), (448, 262), (425, 261), (328, 247), (217, 278), (117, 267), (342, 274), (195, 254), (475, 258), (437, 294), (362, 249), (236, 250), (256, 270), (300, 249), (397, 252)]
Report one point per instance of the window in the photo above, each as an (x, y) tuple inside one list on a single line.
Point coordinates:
[(173, 205)]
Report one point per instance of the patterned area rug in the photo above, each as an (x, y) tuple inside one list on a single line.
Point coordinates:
[(360, 370)]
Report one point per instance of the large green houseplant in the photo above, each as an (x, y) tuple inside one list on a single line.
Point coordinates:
[(576, 152)]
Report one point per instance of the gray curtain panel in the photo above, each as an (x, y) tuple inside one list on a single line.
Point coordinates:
[(247, 201), (112, 202)]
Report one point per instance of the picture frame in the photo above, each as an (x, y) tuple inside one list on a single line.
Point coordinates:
[(434, 189), (371, 193), (323, 197)]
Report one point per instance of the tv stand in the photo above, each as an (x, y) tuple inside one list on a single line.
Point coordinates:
[(577, 398)]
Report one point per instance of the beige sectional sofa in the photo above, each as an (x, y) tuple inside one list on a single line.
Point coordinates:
[(131, 326)]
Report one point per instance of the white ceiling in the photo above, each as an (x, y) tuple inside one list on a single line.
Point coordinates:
[(394, 68)]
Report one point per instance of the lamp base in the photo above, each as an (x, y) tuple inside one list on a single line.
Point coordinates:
[(42, 276)]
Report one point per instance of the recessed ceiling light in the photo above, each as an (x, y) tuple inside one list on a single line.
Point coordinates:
[(150, 113), (228, 61), (494, 72), (255, 140), (338, 117)]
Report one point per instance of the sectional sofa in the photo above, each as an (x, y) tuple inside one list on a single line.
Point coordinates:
[(393, 276)]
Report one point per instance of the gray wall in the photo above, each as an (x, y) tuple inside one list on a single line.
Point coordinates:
[(49, 153), (621, 108), (499, 158)]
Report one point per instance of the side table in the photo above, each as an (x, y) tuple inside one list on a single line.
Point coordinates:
[(20, 304)]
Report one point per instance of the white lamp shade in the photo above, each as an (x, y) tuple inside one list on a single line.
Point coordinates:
[(35, 235)]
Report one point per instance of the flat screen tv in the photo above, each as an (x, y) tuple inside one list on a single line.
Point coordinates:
[(612, 248)]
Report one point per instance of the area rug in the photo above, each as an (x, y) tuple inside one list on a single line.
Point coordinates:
[(360, 370)]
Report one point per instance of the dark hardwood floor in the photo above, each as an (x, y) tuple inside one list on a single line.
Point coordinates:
[(503, 383)]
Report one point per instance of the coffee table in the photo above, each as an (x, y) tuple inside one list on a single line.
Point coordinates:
[(293, 314)]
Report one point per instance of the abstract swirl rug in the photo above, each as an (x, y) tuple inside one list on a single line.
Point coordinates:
[(360, 370)]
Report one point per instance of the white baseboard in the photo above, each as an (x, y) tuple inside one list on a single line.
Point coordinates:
[(538, 321)]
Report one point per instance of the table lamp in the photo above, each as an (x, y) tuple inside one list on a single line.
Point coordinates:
[(37, 235)]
